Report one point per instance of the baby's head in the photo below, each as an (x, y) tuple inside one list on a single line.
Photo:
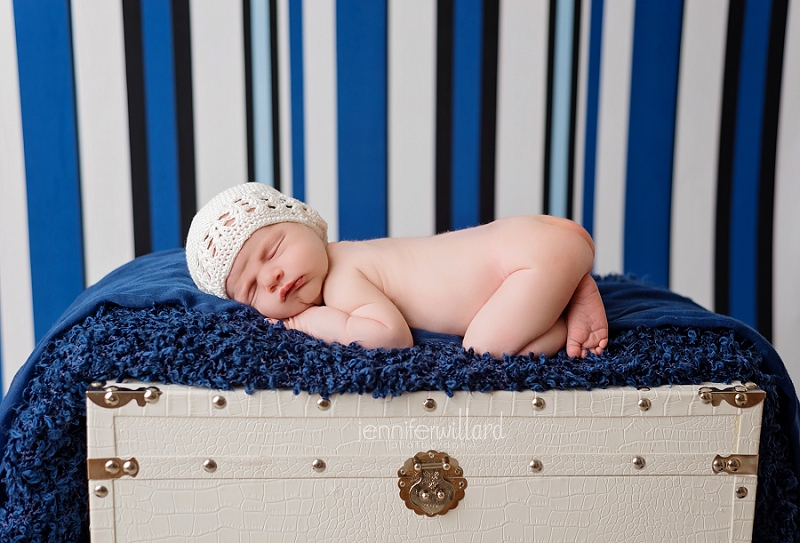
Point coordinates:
[(220, 229)]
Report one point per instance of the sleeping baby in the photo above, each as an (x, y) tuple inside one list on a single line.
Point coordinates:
[(517, 285)]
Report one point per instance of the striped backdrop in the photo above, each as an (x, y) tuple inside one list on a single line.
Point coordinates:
[(670, 129)]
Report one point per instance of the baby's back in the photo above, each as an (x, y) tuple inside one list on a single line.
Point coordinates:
[(440, 282)]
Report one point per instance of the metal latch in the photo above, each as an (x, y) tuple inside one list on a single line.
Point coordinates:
[(738, 396), (736, 464), (111, 397), (111, 468), (431, 483)]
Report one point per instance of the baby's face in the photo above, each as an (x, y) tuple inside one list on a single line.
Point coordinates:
[(280, 270)]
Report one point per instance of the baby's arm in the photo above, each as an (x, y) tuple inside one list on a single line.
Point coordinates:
[(355, 311)]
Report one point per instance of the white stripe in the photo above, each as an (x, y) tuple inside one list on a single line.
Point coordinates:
[(580, 111), (612, 135), (692, 223), (412, 118), (103, 138), (284, 97), (262, 91), (16, 299), (786, 296), (521, 107), (218, 95), (319, 77)]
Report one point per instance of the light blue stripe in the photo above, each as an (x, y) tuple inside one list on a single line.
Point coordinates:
[(298, 111), (651, 138), (361, 34), (262, 91), (44, 49), (562, 94), (592, 100), (162, 136), (747, 160), (467, 53)]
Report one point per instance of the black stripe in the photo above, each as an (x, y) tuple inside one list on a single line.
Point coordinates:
[(184, 106), (276, 112), (548, 122), (137, 126), (491, 23), (444, 114), (727, 134), (769, 148), (248, 90), (573, 106)]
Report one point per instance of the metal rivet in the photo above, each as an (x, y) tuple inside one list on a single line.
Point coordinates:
[(740, 399), (749, 385), (323, 404), (111, 398), (318, 465), (402, 472), (151, 395), (423, 496), (100, 491), (536, 465), (430, 455), (429, 404), (402, 484), (417, 467), (741, 492), (538, 403), (445, 466), (461, 484), (638, 462), (210, 465), (112, 467), (130, 467), (705, 395), (718, 465), (734, 465), (219, 402), (644, 404), (458, 471)]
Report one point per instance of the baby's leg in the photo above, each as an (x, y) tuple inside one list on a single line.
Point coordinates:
[(521, 315), (587, 327), (550, 342)]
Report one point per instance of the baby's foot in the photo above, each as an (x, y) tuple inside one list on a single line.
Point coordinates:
[(587, 327)]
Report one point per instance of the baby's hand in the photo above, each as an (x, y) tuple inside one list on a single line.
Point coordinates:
[(313, 321)]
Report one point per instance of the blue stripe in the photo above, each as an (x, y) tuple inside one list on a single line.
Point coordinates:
[(467, 51), (262, 91), (651, 135), (747, 161), (592, 101), (361, 35), (298, 110), (162, 135), (44, 49), (562, 93)]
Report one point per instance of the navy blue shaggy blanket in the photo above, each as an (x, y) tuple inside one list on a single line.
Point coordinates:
[(147, 321)]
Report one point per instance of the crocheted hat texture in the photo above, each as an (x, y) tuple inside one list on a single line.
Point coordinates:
[(221, 227)]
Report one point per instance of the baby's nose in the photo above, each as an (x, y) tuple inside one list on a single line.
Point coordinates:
[(277, 276)]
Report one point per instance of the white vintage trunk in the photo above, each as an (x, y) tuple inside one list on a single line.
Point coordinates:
[(586, 466)]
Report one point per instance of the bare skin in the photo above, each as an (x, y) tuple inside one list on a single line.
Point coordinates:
[(517, 285)]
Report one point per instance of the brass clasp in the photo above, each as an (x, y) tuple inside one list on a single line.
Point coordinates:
[(431, 483)]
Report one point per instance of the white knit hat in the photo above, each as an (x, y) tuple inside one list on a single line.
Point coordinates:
[(221, 227)]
